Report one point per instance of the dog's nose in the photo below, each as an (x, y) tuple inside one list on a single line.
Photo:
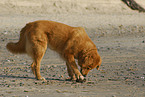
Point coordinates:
[(84, 75)]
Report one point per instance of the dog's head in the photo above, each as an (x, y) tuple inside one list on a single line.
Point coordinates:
[(91, 60)]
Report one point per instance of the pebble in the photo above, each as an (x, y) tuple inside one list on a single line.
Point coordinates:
[(22, 84), (113, 95), (61, 76), (91, 82), (26, 91), (5, 32), (108, 48), (13, 80)]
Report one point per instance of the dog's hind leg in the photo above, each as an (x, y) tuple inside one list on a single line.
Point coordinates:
[(32, 68), (39, 52), (36, 49)]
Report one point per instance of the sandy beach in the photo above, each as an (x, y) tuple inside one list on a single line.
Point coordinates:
[(117, 31)]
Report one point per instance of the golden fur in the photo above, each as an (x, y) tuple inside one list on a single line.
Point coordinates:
[(70, 42)]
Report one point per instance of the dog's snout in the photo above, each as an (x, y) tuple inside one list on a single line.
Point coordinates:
[(83, 73)]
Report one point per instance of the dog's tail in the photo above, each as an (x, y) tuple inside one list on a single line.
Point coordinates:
[(18, 47)]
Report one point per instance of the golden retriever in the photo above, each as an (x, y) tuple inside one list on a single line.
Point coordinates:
[(69, 42)]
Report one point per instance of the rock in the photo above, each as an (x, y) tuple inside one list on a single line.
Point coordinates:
[(91, 82), (13, 80), (26, 91), (113, 95), (22, 84)]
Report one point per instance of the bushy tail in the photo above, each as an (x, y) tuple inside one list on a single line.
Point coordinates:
[(19, 47)]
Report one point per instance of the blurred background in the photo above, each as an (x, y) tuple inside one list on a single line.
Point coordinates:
[(64, 6)]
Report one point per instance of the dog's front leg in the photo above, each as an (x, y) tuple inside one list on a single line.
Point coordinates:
[(70, 72), (71, 61)]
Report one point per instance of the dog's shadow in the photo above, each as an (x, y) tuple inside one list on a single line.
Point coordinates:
[(25, 77)]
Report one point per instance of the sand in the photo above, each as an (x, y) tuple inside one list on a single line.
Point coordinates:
[(119, 35)]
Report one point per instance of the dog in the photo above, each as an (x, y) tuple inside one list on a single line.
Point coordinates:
[(69, 42)]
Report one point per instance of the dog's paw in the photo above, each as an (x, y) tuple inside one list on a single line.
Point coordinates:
[(41, 79), (81, 79), (70, 79)]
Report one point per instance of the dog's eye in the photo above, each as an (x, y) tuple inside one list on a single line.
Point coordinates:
[(88, 68)]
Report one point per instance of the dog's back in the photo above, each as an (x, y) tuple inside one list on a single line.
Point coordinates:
[(59, 36)]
